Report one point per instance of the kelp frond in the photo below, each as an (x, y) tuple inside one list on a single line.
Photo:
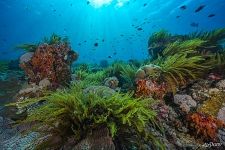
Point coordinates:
[(79, 113)]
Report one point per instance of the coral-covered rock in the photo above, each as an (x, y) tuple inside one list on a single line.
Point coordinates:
[(185, 102), (26, 57), (221, 114), (49, 61), (205, 126), (147, 71), (111, 82), (221, 85), (149, 88)]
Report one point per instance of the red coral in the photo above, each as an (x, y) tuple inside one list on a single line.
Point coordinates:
[(204, 125), (52, 62), (149, 88)]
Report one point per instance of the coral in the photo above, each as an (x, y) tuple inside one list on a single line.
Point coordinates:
[(213, 104), (149, 88), (49, 61), (204, 125), (72, 113)]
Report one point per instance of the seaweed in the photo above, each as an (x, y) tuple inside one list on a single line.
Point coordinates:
[(128, 73), (3, 66), (54, 39), (77, 114)]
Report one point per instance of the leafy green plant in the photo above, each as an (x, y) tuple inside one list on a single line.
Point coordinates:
[(3, 66), (73, 113), (178, 69), (54, 39), (128, 73)]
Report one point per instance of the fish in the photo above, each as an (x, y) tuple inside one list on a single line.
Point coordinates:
[(193, 24), (183, 7), (177, 17), (103, 40), (96, 44), (114, 53), (211, 15), (145, 4), (109, 56), (213, 76), (199, 8), (88, 2), (139, 29)]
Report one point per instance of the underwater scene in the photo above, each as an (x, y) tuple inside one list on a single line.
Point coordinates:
[(112, 74)]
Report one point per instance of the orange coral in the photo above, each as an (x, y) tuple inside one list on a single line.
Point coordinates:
[(52, 62), (205, 125), (149, 88)]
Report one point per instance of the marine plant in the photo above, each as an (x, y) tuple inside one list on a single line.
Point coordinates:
[(204, 126), (179, 63), (213, 104), (3, 66), (128, 75), (53, 39), (177, 70), (213, 41), (71, 112)]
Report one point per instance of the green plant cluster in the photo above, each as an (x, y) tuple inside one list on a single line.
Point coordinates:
[(3, 66), (72, 111), (53, 39), (188, 57)]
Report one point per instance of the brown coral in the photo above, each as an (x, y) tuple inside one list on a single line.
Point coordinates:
[(204, 125), (52, 62), (149, 88)]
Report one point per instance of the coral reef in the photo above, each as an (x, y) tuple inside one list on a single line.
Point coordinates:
[(205, 126), (50, 61)]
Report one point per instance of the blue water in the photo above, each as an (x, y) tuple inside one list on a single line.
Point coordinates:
[(112, 25)]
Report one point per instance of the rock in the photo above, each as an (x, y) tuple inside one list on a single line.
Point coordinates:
[(98, 140), (147, 70), (221, 114), (140, 74), (185, 102), (213, 91), (44, 83), (221, 136), (102, 91), (111, 82), (221, 84), (26, 57)]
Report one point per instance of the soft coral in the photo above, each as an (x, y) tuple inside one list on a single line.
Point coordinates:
[(205, 125)]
